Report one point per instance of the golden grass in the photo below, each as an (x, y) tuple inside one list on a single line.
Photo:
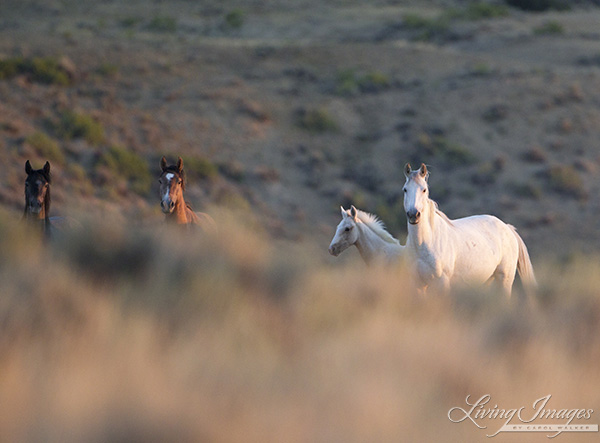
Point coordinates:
[(116, 333)]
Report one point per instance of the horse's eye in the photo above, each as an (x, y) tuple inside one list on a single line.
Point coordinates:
[(404, 189), (424, 191), (349, 228), (160, 181)]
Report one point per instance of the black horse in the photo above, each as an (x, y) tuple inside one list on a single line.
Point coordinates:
[(37, 196)]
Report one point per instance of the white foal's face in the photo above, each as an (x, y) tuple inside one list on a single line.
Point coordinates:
[(416, 193), (346, 233)]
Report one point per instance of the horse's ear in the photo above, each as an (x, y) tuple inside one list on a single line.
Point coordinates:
[(47, 168), (423, 170), (163, 163), (344, 213), (407, 169), (180, 164), (28, 167), (354, 212)]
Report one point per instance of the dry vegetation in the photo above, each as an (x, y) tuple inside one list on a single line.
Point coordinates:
[(126, 331), (120, 334)]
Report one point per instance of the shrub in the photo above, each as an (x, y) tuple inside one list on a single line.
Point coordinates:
[(163, 23), (539, 5), (527, 190), (74, 125), (128, 165), (46, 147), (551, 27), (478, 10), (200, 167), (107, 70), (565, 179), (349, 82), (317, 120), (428, 28), (129, 22), (235, 18), (445, 149), (46, 70)]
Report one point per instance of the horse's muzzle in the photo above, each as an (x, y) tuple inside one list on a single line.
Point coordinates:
[(167, 206), (413, 217), (35, 207), (334, 251)]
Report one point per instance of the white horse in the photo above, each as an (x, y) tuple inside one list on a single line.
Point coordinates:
[(368, 234), (477, 249)]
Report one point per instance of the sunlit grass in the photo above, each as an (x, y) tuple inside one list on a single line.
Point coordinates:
[(114, 330)]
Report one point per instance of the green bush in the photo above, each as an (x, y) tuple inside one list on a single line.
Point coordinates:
[(317, 120), (348, 82), (565, 179), (527, 190), (551, 27), (235, 18), (478, 11), (446, 150), (107, 70), (163, 23), (46, 70), (129, 22), (200, 167), (46, 147), (539, 5), (427, 28), (129, 165), (72, 125)]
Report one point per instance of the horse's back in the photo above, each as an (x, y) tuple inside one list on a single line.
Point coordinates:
[(485, 242), (485, 227)]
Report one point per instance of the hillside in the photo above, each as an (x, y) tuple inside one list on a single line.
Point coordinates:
[(294, 111)]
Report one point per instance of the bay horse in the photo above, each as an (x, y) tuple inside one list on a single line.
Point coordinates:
[(37, 196), (478, 249), (173, 205), (368, 234)]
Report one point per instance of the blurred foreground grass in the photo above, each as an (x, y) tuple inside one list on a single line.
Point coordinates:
[(144, 334)]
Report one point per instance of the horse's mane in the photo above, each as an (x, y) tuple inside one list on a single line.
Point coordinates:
[(376, 225), (438, 211)]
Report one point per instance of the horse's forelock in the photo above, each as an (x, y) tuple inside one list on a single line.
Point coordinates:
[(172, 169)]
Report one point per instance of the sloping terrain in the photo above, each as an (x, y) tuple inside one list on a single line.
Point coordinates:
[(293, 110)]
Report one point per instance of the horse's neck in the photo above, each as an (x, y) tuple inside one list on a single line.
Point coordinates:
[(425, 232), (180, 213), (369, 244)]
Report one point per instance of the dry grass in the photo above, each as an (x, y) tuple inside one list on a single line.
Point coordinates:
[(159, 336)]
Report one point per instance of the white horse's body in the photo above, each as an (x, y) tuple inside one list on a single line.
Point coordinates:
[(471, 250), (368, 234)]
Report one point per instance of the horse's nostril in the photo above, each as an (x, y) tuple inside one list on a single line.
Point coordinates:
[(418, 214)]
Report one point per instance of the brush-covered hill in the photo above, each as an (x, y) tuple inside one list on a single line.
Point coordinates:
[(289, 110)]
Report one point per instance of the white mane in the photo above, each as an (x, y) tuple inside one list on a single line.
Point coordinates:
[(376, 225)]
